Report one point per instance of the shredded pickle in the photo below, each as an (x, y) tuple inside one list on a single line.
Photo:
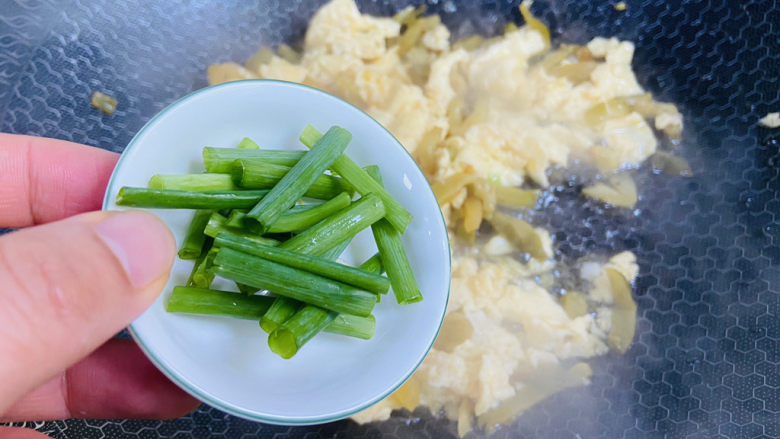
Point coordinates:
[(103, 102), (534, 23)]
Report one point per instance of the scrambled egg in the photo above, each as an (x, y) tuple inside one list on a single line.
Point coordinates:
[(531, 119), (504, 111)]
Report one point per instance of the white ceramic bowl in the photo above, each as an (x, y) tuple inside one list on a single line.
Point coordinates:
[(226, 362)]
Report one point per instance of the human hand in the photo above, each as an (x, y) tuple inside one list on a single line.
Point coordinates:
[(69, 284)]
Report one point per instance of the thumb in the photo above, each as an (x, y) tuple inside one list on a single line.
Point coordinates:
[(68, 286)]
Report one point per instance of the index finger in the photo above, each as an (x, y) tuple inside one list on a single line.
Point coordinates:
[(44, 180)]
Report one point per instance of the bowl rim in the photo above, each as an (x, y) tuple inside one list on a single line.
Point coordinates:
[(193, 390)]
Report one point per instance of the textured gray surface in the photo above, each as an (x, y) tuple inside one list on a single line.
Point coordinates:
[(706, 362)]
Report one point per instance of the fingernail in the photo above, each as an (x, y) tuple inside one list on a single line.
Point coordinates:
[(142, 244)]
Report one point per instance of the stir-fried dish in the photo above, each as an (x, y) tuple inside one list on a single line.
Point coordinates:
[(487, 120)]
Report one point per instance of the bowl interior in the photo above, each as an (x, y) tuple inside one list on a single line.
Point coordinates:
[(226, 362)]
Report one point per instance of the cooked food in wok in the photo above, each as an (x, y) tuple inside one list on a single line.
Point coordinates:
[(494, 123)]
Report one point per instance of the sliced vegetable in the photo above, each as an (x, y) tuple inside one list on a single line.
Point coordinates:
[(335, 252), (415, 31), (582, 53), (236, 218), (192, 182), (472, 214), (554, 58), (312, 264), (201, 275), (478, 115), (646, 106), (247, 143), (317, 240), (516, 198), (373, 265), (353, 326), (534, 23), (396, 263), (293, 283), (198, 261), (289, 54), (425, 154), (103, 102), (192, 246), (294, 219), (220, 160), (621, 333), (305, 218), (253, 174), (543, 386), (519, 233), (173, 199), (576, 72), (288, 338), (601, 112), (485, 192), (194, 300), (309, 291), (409, 14), (297, 181), (280, 311), (363, 183), (289, 306), (643, 104), (448, 189), (216, 227), (670, 164), (394, 259), (455, 329), (620, 190)]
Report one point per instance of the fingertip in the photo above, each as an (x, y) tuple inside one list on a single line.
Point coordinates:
[(142, 243)]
